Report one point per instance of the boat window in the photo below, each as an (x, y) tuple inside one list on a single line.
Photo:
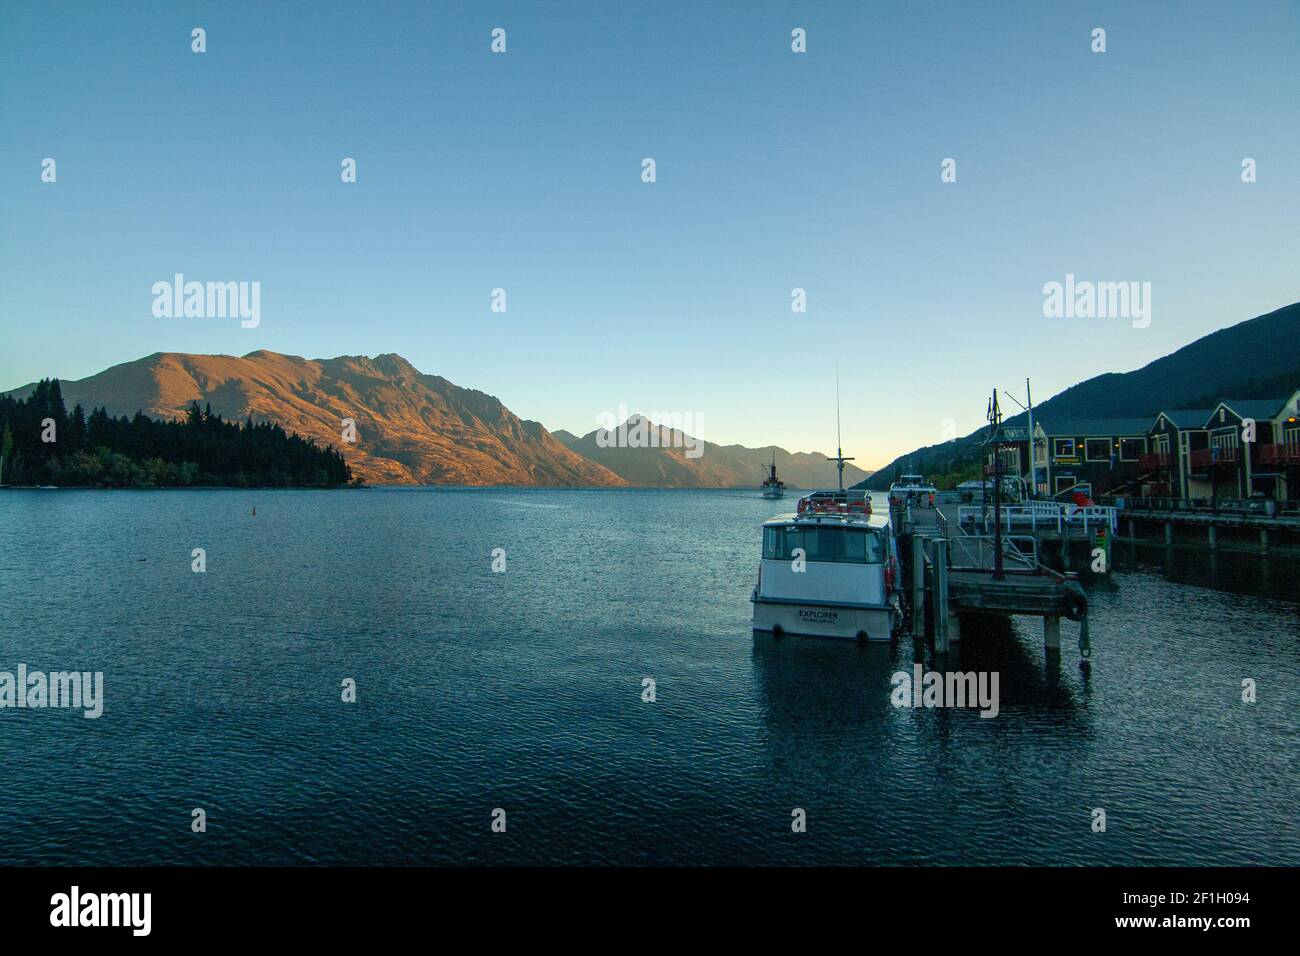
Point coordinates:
[(820, 543), (847, 545), (855, 547)]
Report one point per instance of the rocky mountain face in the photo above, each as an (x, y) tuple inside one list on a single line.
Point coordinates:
[(411, 428)]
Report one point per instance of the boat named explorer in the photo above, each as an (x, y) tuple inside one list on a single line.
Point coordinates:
[(829, 570)]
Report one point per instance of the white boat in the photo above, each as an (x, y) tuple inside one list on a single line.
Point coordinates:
[(829, 570), (909, 487), (773, 487)]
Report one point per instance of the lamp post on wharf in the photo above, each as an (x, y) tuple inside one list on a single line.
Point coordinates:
[(1033, 467), (995, 440)]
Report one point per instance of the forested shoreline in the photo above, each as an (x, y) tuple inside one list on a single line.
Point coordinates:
[(42, 443)]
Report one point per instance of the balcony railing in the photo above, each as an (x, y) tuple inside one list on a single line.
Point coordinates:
[(1153, 461), (1279, 455), (1215, 457)]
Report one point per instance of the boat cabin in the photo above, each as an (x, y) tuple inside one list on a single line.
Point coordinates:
[(828, 570), (908, 487)]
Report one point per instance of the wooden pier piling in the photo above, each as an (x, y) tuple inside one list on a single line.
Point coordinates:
[(1052, 634), (939, 548), (918, 586)]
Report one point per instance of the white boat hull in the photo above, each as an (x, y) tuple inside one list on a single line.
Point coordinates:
[(773, 494), (824, 620)]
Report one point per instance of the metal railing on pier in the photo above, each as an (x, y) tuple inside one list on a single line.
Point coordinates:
[(1039, 516), (976, 552), (1233, 507)]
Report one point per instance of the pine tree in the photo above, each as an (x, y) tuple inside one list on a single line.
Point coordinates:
[(6, 446)]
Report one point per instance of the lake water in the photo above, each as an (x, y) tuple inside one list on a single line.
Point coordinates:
[(522, 690)]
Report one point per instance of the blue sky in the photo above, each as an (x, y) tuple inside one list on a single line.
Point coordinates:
[(775, 170)]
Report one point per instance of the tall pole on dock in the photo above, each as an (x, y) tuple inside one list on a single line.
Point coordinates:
[(839, 449), (839, 443), (995, 439), (1033, 468), (1032, 485)]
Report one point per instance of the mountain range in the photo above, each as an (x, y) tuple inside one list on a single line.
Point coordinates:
[(413, 428), (1257, 358), (678, 460)]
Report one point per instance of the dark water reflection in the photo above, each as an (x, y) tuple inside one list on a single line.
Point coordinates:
[(523, 691)]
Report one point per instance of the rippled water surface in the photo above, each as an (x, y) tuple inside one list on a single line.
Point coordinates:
[(523, 691)]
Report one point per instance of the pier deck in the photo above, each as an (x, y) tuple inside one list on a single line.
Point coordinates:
[(961, 578)]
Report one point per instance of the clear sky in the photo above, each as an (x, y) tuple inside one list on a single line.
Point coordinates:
[(775, 170)]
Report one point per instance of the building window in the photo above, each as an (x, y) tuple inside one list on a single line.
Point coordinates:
[(1130, 449), (1097, 449), (1063, 448), (1062, 482)]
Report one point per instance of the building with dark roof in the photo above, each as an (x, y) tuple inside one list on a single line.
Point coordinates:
[(1096, 456), (1251, 449), (1165, 469), (1185, 453)]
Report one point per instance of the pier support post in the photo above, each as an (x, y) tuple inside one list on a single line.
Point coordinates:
[(1169, 532), (1132, 528), (918, 586), (954, 629), (940, 585), (1213, 536), (1052, 633), (1263, 539)]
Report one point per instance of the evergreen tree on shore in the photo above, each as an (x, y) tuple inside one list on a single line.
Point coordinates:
[(199, 449)]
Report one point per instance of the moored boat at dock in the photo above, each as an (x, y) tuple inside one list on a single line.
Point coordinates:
[(829, 570), (910, 487)]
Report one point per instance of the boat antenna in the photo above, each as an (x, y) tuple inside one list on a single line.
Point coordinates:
[(839, 447)]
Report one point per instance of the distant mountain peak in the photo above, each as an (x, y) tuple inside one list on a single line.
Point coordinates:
[(663, 459)]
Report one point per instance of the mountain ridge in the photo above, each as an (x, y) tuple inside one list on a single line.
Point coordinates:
[(1237, 361), (417, 428), (668, 464), (411, 428)]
